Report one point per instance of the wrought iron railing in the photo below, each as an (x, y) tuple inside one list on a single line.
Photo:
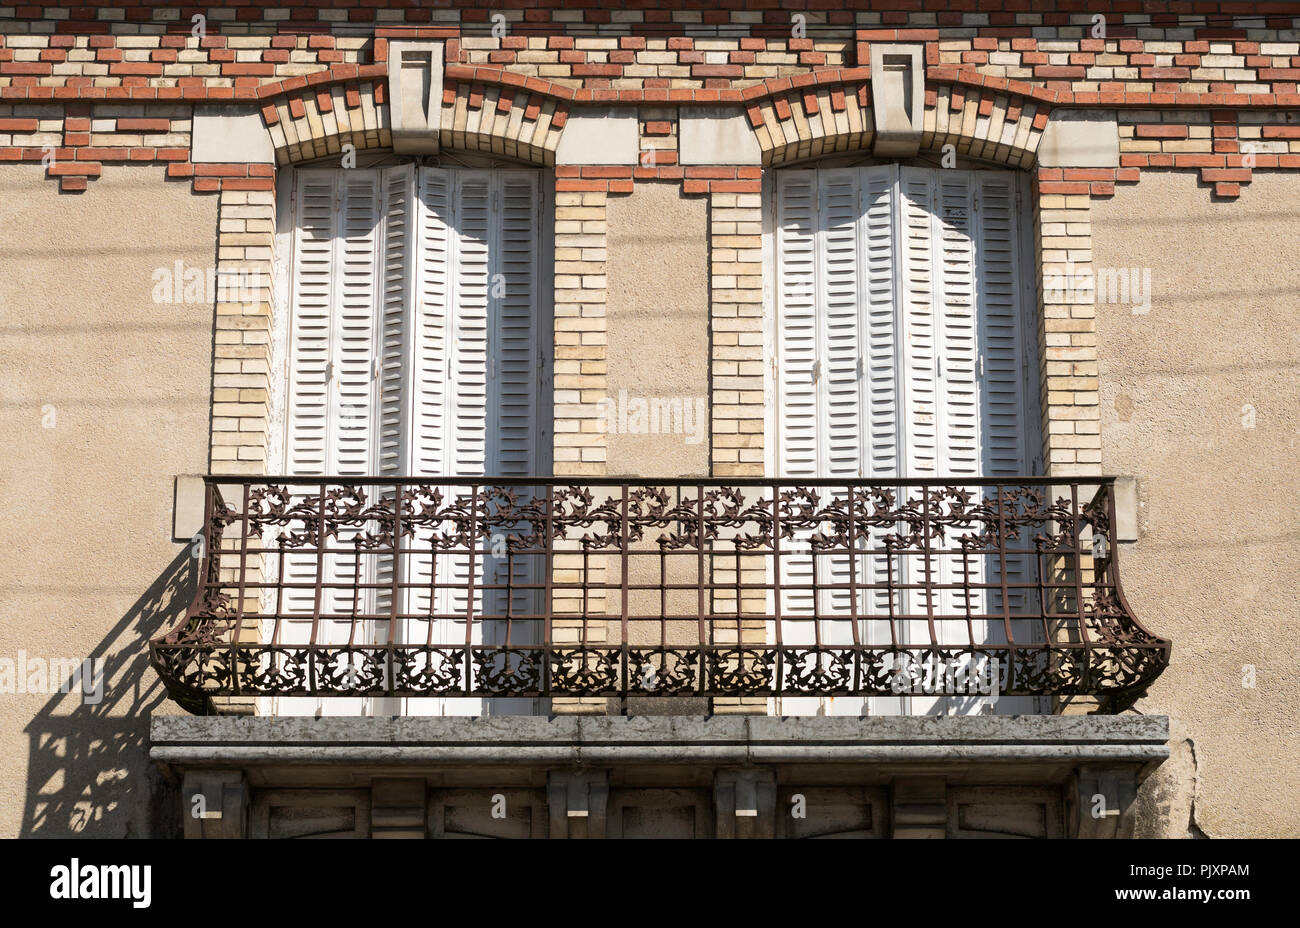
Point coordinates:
[(536, 587)]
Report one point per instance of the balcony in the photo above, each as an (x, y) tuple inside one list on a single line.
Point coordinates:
[(883, 590)]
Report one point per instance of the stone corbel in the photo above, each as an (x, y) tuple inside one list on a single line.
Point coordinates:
[(919, 807), (398, 808), (745, 803), (577, 800), (1101, 803), (215, 804)]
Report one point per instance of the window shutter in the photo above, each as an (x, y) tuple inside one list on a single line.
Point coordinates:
[(514, 349), (513, 393), (469, 349), (313, 294), (931, 368), (942, 407), (797, 287), (333, 352), (1005, 401), (395, 320), (335, 369)]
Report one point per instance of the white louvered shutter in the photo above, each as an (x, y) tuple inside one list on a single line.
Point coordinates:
[(836, 392), (392, 402), (513, 394), (797, 340), (939, 387), (839, 389), (475, 378), (413, 350), (333, 354), (334, 361)]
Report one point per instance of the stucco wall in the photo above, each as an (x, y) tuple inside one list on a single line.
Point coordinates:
[(1217, 563), (658, 323), (87, 566)]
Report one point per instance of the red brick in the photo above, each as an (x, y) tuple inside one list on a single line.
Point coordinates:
[(136, 68), (1160, 132), (76, 168), (126, 124), (1226, 174)]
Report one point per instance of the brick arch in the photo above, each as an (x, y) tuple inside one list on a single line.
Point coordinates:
[(500, 119), (986, 123), (315, 117)]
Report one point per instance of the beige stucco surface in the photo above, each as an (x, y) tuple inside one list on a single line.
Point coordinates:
[(658, 322), (658, 325), (87, 565), (1217, 562)]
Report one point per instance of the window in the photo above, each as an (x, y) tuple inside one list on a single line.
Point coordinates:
[(417, 345), (903, 343)]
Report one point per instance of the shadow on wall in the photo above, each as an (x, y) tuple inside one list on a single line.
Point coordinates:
[(88, 770)]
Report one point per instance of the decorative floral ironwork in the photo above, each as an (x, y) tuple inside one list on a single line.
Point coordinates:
[(324, 587)]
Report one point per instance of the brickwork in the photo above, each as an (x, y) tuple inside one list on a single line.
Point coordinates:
[(1070, 399), (241, 387)]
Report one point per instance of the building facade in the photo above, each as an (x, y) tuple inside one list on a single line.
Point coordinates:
[(640, 420)]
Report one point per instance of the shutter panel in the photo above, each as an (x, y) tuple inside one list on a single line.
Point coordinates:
[(333, 355), (434, 233), (879, 211), (512, 389), (356, 331), (469, 358), (919, 367), (395, 289), (308, 442), (334, 363), (356, 376), (397, 293), (839, 387), (797, 286), (1004, 405), (466, 422), (313, 293), (941, 376), (918, 362)]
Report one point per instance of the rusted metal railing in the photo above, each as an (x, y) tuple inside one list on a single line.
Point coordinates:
[(535, 587)]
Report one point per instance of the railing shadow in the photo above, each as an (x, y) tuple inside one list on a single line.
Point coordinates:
[(88, 770)]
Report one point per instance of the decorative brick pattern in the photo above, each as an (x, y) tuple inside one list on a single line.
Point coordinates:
[(819, 119), (1001, 127), (242, 363), (501, 120), (150, 52), (1070, 395), (1225, 146), (580, 334), (76, 140), (736, 323), (314, 122)]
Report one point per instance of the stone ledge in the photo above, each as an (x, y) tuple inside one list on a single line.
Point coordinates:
[(659, 740)]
